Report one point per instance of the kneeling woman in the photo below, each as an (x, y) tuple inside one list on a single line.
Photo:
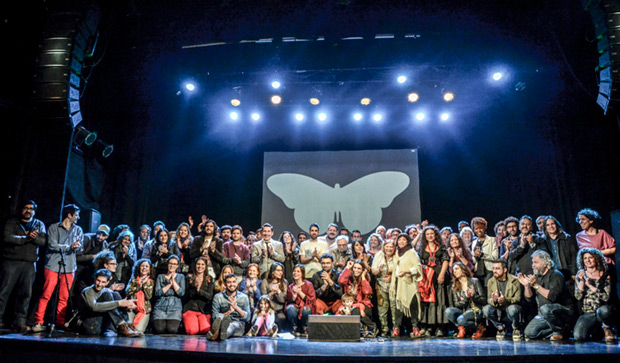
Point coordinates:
[(592, 290), (140, 288), (169, 289), (301, 300), (469, 298), (354, 279), (197, 308)]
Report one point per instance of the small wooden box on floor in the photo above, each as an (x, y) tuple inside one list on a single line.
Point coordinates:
[(334, 328)]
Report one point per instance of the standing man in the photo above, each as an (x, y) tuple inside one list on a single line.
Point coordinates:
[(231, 310), (210, 247), (267, 251), (23, 235), (512, 228), (310, 251), (332, 233), (65, 240), (522, 249), (238, 252)]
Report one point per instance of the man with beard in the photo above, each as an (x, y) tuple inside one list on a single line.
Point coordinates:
[(310, 251), (237, 252), (231, 310), (521, 250), (356, 235), (225, 233), (65, 240), (326, 285), (547, 286), (209, 246), (562, 248), (504, 294), (23, 235), (330, 236), (267, 251), (512, 228), (93, 244), (342, 253), (99, 308)]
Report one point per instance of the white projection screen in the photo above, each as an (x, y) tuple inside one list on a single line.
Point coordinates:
[(354, 189)]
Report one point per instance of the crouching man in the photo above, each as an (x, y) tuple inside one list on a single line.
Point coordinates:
[(102, 309)]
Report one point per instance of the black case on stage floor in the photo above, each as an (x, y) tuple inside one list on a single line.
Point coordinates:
[(334, 328)]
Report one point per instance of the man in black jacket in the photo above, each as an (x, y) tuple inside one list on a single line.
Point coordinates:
[(326, 285), (23, 235)]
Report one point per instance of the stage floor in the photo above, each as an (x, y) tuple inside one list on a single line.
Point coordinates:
[(158, 348)]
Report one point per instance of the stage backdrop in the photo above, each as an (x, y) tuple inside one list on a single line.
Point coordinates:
[(355, 189)]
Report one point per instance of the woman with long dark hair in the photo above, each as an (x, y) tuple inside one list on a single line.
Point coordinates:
[(404, 288), (276, 287), (169, 289), (434, 294), (469, 297), (197, 308), (354, 280), (140, 288)]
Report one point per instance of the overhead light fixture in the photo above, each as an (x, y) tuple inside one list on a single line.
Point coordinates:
[(83, 136), (448, 96), (315, 101), (413, 97), (365, 101), (235, 102), (276, 99)]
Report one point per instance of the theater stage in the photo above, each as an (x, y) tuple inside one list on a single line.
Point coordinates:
[(176, 348)]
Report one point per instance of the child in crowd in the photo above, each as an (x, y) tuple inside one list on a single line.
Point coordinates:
[(263, 319), (347, 305)]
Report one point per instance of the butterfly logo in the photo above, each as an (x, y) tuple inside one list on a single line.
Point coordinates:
[(358, 205)]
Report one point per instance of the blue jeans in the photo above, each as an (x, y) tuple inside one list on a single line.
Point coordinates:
[(97, 323), (502, 317), (16, 276), (468, 319), (291, 313), (589, 321), (551, 319)]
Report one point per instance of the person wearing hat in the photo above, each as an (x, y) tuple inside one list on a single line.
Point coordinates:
[(93, 244)]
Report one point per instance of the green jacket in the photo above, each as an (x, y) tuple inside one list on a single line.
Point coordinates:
[(512, 295)]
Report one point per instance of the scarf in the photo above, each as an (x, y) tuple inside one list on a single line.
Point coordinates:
[(141, 298), (404, 289)]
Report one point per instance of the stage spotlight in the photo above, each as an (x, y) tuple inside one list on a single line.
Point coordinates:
[(420, 116), (413, 97), (255, 116), (104, 149), (233, 115), (235, 102), (84, 136), (448, 96), (299, 116), (275, 99), (322, 116), (275, 84), (401, 79), (445, 116), (497, 76), (365, 101), (377, 117), (315, 101), (357, 116), (190, 86)]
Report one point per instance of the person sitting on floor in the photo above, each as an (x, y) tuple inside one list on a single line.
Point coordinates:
[(141, 288), (347, 305), (503, 296), (101, 308), (231, 310), (301, 301), (263, 320)]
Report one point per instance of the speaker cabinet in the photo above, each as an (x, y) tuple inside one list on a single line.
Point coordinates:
[(334, 328)]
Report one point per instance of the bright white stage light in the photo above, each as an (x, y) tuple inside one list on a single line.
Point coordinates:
[(275, 84), (420, 116), (401, 79), (377, 117), (299, 116), (275, 99), (234, 115), (190, 86), (497, 76), (322, 116), (255, 116), (445, 116), (357, 116)]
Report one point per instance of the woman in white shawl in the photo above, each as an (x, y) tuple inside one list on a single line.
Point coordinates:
[(383, 266), (404, 285)]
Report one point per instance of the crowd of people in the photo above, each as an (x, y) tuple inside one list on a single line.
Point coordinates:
[(532, 280)]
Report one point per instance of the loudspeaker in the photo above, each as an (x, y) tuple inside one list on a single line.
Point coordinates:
[(90, 220), (334, 328)]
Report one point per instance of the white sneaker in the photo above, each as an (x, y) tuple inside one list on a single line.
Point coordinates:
[(37, 328)]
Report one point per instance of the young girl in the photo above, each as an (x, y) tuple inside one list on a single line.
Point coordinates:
[(263, 319)]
